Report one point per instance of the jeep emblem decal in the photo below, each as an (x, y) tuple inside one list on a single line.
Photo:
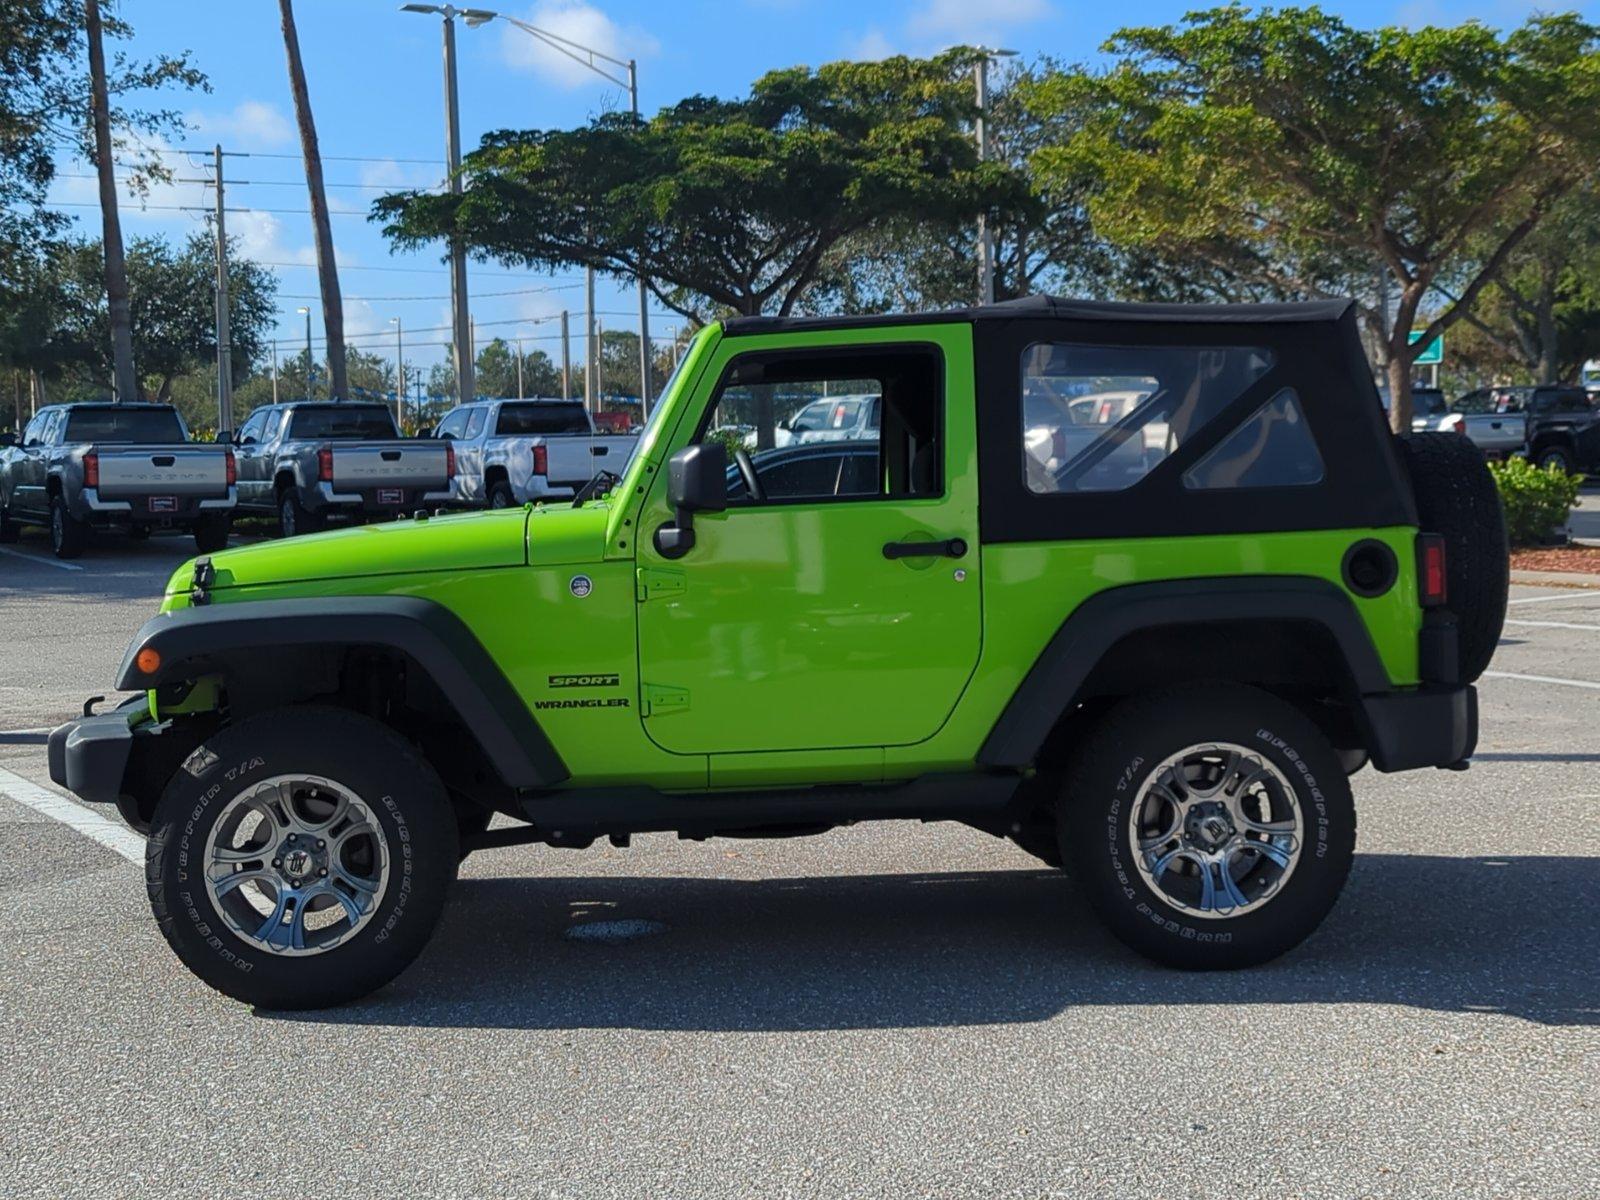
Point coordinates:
[(581, 586)]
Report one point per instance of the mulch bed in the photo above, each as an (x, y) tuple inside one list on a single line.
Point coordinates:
[(1558, 558)]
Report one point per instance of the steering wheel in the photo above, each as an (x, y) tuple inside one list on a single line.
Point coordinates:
[(747, 472)]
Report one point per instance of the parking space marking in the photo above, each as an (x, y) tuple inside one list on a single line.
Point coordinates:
[(43, 562), (1577, 683), (1556, 625), (109, 833), (1576, 593)]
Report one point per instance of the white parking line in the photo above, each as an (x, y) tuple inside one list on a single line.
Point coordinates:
[(1571, 594), (1577, 683), (91, 824), (1556, 625), (43, 562)]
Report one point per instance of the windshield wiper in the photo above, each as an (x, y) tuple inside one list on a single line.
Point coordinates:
[(600, 485)]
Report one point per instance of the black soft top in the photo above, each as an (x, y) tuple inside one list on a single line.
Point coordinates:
[(1315, 312)]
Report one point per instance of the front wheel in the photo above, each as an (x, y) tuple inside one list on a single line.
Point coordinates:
[(300, 858), (1211, 827)]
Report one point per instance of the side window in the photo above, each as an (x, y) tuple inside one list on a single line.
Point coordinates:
[(50, 431), (1273, 448), (251, 429), (30, 435), (832, 425), (1572, 402), (1100, 418), (453, 426), (475, 420), (271, 425)]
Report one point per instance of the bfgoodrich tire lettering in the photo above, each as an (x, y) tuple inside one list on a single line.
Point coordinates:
[(1115, 770), (397, 788)]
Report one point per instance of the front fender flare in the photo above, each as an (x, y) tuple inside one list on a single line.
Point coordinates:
[(437, 640)]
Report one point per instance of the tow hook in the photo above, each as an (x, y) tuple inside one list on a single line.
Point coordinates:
[(88, 705)]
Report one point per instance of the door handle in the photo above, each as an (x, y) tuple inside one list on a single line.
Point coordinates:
[(949, 548), (599, 451)]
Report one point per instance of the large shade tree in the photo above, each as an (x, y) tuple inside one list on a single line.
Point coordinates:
[(1288, 148), (728, 205)]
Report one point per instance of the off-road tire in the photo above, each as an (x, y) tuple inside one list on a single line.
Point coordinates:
[(1554, 456), (401, 790), (69, 537), (211, 532), (1457, 499), (295, 518), (1106, 778)]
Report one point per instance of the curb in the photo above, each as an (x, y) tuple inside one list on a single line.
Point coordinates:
[(1563, 579)]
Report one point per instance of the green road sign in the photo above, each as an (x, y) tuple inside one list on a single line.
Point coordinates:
[(1433, 355)]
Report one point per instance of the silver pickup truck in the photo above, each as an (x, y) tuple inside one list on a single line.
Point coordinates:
[(129, 467), (307, 461), (509, 452)]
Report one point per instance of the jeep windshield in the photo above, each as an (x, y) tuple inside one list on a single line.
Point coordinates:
[(111, 425), (343, 423)]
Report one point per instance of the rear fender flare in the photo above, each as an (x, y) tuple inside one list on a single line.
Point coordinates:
[(432, 636)]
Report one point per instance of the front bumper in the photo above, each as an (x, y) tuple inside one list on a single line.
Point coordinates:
[(89, 756), (1433, 726)]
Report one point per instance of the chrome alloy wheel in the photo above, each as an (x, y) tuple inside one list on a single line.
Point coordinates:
[(1216, 830), (296, 864)]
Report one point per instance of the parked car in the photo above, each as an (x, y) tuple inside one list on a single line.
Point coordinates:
[(128, 467), (1429, 407), (1166, 686), (508, 452), (1552, 425), (306, 461)]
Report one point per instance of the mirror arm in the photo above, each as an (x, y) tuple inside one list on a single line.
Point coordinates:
[(677, 539)]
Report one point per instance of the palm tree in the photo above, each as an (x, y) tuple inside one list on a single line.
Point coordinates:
[(125, 381), (327, 271)]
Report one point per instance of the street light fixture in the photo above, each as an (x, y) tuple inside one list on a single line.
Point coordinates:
[(465, 387), (985, 238), (587, 56)]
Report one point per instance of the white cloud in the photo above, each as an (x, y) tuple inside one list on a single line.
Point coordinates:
[(578, 22), (871, 46), (965, 21), (252, 125)]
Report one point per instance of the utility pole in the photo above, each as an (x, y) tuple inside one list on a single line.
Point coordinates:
[(644, 295), (566, 356), (310, 391), (399, 371), (274, 370), (224, 336), (125, 379), (591, 353), (519, 366), (466, 385)]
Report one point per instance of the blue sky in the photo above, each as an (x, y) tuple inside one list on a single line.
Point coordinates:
[(375, 81)]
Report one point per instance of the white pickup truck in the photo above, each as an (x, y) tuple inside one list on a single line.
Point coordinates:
[(129, 467), (508, 452)]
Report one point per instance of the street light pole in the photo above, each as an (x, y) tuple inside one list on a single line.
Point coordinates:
[(274, 370), (465, 386), (985, 237), (224, 338), (310, 391), (399, 371)]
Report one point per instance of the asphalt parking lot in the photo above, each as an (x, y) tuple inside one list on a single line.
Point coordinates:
[(883, 1011)]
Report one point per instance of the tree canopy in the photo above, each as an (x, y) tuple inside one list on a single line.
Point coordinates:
[(1287, 148), (731, 205)]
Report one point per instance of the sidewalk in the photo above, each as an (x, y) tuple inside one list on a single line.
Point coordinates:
[(1566, 579)]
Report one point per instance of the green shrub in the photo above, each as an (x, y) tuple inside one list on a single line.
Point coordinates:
[(1537, 502)]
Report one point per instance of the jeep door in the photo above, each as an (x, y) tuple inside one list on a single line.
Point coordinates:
[(835, 604)]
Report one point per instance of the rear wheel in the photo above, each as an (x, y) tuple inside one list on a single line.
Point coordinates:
[(1211, 827), (301, 858), (500, 495), (1559, 457), (68, 535), (293, 517), (211, 532)]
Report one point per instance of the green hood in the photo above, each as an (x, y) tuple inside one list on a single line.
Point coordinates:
[(456, 542)]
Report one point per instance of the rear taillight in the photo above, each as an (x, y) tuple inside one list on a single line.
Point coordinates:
[(541, 460), (91, 470), (325, 464), (232, 467), (1431, 577), (449, 461)]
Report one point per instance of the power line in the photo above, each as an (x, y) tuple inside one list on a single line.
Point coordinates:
[(177, 150), (233, 183), (476, 295)]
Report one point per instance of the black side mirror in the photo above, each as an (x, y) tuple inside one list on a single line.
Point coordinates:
[(697, 481), (7, 439)]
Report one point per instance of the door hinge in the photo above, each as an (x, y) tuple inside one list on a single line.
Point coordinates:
[(654, 583), (659, 699)]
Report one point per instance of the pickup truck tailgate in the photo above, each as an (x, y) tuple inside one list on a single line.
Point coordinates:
[(417, 466), (575, 459), (127, 471)]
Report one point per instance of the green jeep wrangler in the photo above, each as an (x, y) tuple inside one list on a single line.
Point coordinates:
[(1137, 587)]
